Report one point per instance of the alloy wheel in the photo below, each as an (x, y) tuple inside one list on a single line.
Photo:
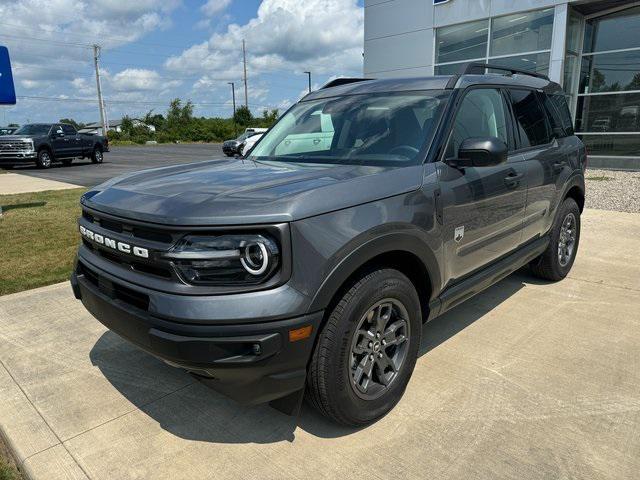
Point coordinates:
[(45, 159), (379, 348), (567, 240)]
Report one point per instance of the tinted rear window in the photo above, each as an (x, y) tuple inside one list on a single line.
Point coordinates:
[(531, 120)]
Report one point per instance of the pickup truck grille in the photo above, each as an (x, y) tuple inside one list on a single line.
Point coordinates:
[(13, 147)]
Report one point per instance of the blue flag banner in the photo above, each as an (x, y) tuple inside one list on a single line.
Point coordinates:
[(7, 90)]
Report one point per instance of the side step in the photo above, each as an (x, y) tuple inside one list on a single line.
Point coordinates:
[(486, 277)]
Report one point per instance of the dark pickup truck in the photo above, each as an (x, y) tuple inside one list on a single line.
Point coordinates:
[(45, 143)]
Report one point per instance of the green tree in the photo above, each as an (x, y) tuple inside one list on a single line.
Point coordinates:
[(127, 125), (71, 121), (243, 116)]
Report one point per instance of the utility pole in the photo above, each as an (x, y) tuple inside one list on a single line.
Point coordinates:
[(244, 61), (233, 97), (103, 118), (309, 74)]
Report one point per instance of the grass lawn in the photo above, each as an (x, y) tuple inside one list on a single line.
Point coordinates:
[(8, 470), (38, 238)]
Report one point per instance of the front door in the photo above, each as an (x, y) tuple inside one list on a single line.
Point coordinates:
[(60, 142), (483, 207)]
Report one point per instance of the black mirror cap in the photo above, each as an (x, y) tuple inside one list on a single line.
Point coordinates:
[(480, 152)]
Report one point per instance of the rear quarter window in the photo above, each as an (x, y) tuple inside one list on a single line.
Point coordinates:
[(531, 120)]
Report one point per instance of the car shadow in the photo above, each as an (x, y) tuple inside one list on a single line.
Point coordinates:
[(192, 411), (54, 166)]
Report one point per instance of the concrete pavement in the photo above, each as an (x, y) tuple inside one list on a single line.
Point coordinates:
[(525, 380), (14, 183)]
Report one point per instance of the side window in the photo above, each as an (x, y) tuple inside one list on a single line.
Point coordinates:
[(551, 111), (560, 102), (481, 114), (531, 121), (57, 129), (68, 130)]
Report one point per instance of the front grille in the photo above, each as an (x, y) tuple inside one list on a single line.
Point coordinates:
[(151, 238), (135, 231), (14, 147), (113, 289)]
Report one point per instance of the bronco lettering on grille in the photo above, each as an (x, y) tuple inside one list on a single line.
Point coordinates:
[(114, 244)]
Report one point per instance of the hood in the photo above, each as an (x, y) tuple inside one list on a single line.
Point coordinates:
[(17, 138), (240, 191)]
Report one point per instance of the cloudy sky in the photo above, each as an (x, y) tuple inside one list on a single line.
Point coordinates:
[(155, 50)]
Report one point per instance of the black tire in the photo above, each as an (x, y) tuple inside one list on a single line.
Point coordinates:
[(331, 386), (45, 159), (96, 155), (66, 161), (551, 265)]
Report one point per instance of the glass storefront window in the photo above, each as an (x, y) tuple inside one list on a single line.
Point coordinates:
[(462, 42), (613, 32), (570, 74), (574, 32), (522, 32), (614, 145), (452, 68), (608, 113), (534, 62), (610, 72)]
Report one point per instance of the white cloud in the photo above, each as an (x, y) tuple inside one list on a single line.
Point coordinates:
[(135, 79), (325, 36), (213, 7)]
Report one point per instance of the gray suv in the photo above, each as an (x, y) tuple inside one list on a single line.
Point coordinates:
[(309, 267)]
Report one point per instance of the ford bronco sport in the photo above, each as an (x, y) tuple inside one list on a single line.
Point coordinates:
[(310, 265)]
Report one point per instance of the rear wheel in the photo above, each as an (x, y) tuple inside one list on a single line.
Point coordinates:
[(367, 350), (44, 159), (557, 260), (96, 156)]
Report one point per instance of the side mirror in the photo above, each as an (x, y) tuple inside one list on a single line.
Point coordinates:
[(479, 152)]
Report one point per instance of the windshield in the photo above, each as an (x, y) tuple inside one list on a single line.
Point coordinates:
[(373, 129), (33, 129)]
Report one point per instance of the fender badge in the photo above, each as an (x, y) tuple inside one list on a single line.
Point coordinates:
[(458, 234)]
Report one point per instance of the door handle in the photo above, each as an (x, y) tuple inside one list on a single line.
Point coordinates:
[(513, 180), (559, 166)]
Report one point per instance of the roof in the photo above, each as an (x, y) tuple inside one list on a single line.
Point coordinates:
[(436, 82)]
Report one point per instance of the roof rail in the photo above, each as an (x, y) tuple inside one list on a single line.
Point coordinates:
[(479, 68), (342, 81)]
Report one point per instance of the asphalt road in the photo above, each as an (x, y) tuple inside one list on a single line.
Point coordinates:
[(123, 160)]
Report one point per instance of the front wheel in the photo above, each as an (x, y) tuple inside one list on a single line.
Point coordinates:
[(44, 159), (367, 349), (556, 261), (96, 156)]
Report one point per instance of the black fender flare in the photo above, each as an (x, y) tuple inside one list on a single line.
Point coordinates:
[(576, 180), (387, 243)]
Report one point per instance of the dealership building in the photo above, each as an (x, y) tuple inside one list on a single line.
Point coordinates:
[(592, 48)]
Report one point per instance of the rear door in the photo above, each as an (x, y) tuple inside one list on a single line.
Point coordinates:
[(542, 143), (483, 207)]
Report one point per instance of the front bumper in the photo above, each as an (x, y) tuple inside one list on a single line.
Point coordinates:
[(251, 362), (13, 157)]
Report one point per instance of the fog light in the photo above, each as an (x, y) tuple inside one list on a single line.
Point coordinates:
[(256, 349)]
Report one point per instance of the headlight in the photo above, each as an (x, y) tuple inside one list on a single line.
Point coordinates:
[(225, 259)]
